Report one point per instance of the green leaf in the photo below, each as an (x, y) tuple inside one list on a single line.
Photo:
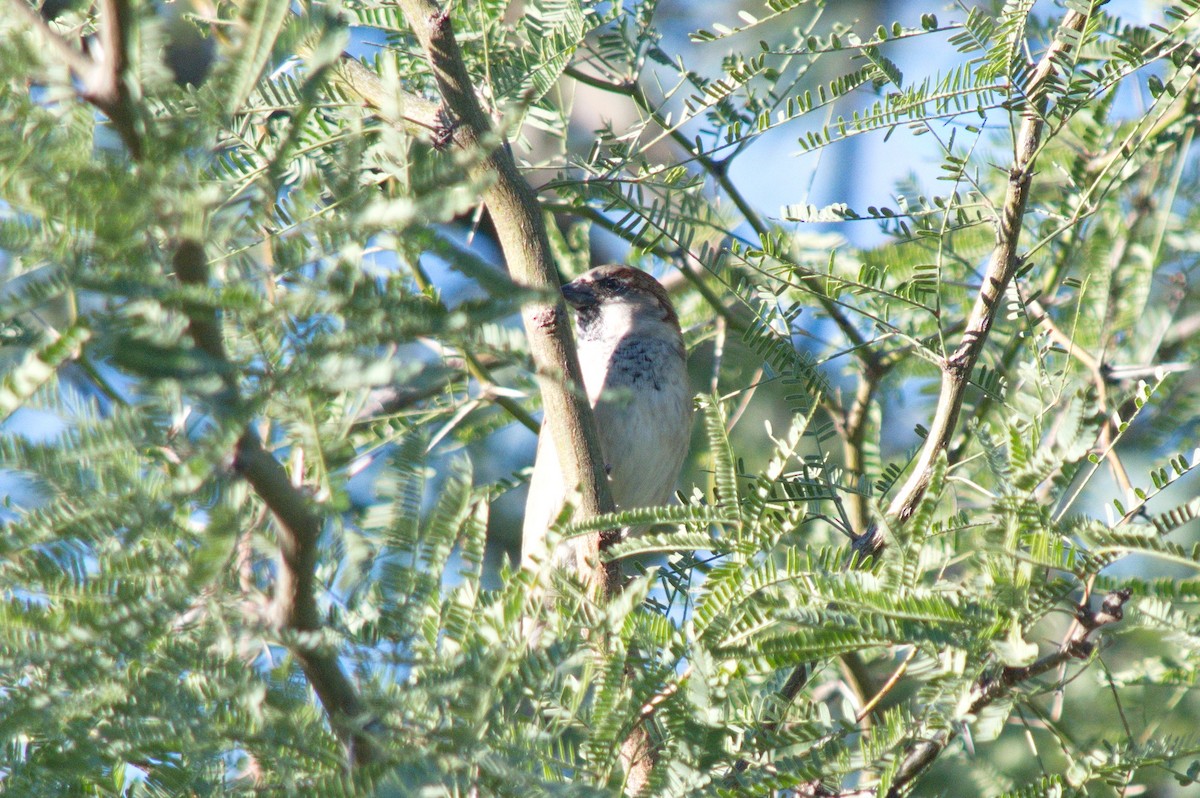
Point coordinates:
[(261, 23)]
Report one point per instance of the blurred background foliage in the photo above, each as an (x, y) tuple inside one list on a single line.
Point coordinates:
[(817, 183)]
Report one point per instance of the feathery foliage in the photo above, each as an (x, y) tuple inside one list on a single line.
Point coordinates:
[(262, 389)]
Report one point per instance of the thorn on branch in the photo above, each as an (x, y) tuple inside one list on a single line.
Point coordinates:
[(1112, 609), (1019, 176), (447, 126)]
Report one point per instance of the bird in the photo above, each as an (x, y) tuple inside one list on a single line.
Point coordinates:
[(634, 367)]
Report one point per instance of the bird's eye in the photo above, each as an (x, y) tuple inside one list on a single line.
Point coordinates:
[(611, 284)]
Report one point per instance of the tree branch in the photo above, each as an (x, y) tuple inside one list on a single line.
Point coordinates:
[(992, 688), (294, 606), (294, 614), (957, 367), (105, 85), (521, 231), (103, 80), (414, 115), (76, 61), (853, 426), (522, 234)]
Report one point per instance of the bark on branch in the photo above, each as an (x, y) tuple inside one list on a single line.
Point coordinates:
[(990, 689), (105, 84), (520, 228), (104, 80), (522, 234), (957, 367), (295, 615)]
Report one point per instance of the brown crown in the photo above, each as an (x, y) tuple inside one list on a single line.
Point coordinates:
[(629, 279)]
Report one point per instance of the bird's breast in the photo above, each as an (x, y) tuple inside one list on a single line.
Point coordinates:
[(643, 413)]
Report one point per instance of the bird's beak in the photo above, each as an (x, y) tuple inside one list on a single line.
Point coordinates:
[(579, 294)]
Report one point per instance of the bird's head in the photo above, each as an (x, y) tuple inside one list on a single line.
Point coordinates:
[(616, 299)]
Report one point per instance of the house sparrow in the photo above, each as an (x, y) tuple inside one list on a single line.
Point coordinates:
[(635, 372)]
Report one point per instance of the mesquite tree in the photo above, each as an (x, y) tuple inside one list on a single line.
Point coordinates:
[(280, 287)]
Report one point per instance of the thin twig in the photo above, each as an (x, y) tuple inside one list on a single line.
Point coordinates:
[(106, 85), (484, 377), (891, 682), (853, 426), (414, 115), (1095, 366)]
